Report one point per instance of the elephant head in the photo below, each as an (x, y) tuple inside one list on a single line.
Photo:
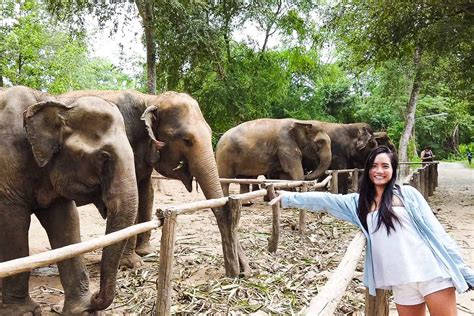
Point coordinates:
[(315, 146), (363, 143), (383, 139), (84, 150), (184, 140)]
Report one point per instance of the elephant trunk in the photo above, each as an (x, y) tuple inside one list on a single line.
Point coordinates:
[(205, 171), (121, 200), (324, 163)]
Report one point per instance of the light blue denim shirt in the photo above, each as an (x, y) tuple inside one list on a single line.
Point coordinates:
[(344, 207)]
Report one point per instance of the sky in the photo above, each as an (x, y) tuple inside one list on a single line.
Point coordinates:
[(124, 48)]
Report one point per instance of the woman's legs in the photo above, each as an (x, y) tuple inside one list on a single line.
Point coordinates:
[(411, 310), (442, 303)]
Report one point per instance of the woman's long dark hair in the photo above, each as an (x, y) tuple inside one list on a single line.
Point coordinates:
[(367, 192)]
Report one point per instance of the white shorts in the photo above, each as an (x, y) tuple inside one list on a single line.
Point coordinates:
[(414, 293)]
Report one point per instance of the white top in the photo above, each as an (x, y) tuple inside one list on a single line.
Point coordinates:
[(402, 257)]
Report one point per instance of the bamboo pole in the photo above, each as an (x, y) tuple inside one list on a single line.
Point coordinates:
[(163, 286), (326, 301), (49, 257), (275, 236)]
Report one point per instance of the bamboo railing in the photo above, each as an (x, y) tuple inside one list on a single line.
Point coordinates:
[(425, 179)]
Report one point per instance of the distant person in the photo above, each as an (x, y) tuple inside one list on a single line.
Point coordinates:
[(427, 154), (408, 251), (469, 156)]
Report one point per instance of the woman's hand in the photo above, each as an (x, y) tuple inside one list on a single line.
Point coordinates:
[(279, 196)]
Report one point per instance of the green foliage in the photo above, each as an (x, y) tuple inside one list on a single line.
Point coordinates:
[(36, 52), (438, 131), (368, 79)]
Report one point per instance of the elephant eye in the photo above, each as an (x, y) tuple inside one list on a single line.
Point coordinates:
[(188, 142), (104, 156)]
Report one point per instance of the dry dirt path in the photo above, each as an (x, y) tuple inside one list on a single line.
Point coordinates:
[(198, 235), (453, 202)]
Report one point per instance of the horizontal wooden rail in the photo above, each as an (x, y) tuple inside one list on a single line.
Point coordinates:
[(328, 298), (341, 171), (19, 265)]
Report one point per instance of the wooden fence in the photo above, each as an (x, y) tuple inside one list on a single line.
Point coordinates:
[(323, 304)]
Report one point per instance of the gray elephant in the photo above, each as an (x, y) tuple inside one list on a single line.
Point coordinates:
[(52, 157), (168, 133), (350, 145), (274, 147), (382, 139)]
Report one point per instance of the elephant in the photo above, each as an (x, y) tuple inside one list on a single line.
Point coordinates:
[(383, 139), (350, 146), (54, 156), (274, 147), (168, 133)]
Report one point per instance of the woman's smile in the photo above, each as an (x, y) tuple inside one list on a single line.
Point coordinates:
[(381, 171)]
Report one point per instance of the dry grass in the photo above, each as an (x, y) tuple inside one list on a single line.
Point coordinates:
[(281, 283)]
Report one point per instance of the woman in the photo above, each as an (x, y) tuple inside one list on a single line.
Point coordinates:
[(407, 250)]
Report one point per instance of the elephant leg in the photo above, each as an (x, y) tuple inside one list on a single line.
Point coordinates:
[(14, 226), (291, 164), (62, 224), (145, 211), (225, 189)]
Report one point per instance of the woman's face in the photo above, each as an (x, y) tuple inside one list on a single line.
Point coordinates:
[(381, 171)]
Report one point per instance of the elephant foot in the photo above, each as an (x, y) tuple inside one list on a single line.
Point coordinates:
[(144, 249), (131, 261), (26, 308), (79, 306)]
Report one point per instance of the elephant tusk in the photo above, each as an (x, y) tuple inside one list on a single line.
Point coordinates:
[(181, 165)]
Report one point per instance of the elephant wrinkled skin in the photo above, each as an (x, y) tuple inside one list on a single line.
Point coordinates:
[(52, 157), (168, 133), (275, 148)]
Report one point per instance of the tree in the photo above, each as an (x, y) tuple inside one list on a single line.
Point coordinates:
[(36, 53), (413, 33)]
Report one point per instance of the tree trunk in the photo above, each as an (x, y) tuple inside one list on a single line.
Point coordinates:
[(411, 107), (1, 81), (145, 9)]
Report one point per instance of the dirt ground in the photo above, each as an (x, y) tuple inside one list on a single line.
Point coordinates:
[(199, 282)]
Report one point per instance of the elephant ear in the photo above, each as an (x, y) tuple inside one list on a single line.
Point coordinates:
[(363, 138), (43, 123), (150, 117), (300, 131)]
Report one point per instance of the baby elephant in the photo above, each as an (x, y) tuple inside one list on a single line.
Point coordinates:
[(275, 147)]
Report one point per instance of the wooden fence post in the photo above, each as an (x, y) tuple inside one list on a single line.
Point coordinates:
[(416, 182), (427, 185), (275, 237), (355, 180), (302, 222), (436, 175), (168, 239), (422, 181), (334, 183), (429, 180), (433, 177), (377, 305)]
